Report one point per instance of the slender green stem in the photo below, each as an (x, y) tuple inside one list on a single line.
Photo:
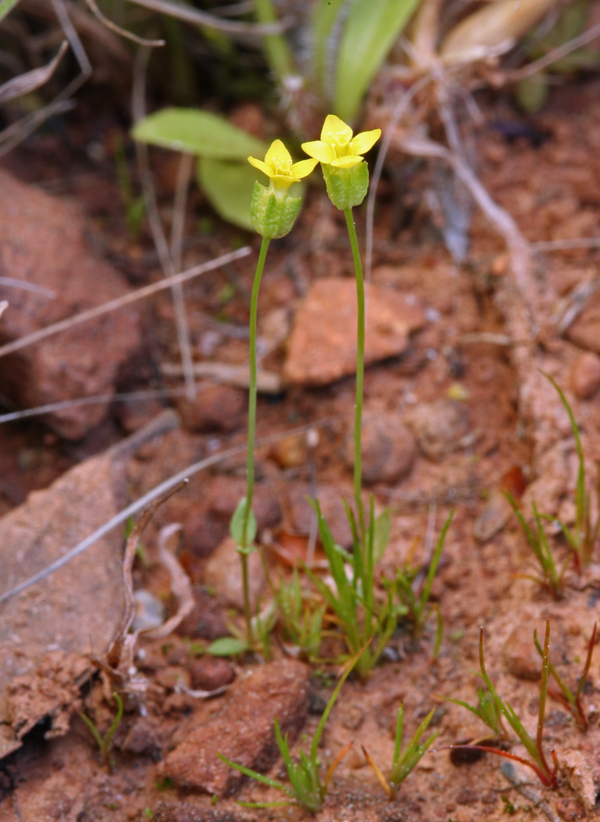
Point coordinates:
[(360, 368), (251, 432)]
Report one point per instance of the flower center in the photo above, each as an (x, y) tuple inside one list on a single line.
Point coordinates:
[(282, 167), (339, 143)]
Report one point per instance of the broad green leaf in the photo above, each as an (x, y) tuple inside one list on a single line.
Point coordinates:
[(198, 132), (371, 29), (228, 186), (227, 646), (6, 6), (325, 16)]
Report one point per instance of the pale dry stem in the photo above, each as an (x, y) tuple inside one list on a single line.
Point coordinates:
[(120, 302), (166, 256), (18, 131)]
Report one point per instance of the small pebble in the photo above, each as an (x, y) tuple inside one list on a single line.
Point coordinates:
[(585, 375), (520, 656), (215, 408), (290, 452), (352, 717), (210, 672), (389, 449)]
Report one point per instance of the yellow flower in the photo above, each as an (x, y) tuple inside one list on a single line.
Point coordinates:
[(337, 147), (279, 168)]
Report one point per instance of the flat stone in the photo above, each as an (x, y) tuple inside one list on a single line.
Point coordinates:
[(585, 375), (243, 730), (322, 345), (42, 243), (47, 631)]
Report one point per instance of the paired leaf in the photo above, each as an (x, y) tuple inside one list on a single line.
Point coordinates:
[(238, 525), (227, 646), (197, 132), (228, 186)]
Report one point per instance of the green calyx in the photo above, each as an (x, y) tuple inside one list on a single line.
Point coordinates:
[(346, 187), (273, 213)]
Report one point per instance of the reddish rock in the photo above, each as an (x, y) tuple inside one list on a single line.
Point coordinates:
[(216, 408), (388, 449), (42, 243), (322, 345), (243, 730), (203, 533), (585, 375), (210, 672), (206, 620)]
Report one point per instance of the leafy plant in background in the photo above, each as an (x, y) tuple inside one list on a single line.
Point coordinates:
[(534, 747), (572, 701), (104, 742), (362, 618), (416, 605), (403, 761), (222, 150), (551, 579), (584, 535), (306, 787), (301, 615), (532, 91), (357, 38)]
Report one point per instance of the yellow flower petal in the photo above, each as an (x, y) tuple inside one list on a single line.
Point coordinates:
[(322, 152), (261, 166), (335, 131), (303, 168), (349, 161), (364, 141), (278, 157)]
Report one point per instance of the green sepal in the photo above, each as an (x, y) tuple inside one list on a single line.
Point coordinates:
[(346, 187), (273, 214), (236, 528)]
